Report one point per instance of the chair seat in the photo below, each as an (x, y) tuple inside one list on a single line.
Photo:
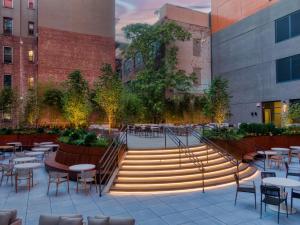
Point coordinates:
[(273, 201), (58, 180), (246, 189), (276, 157), (88, 180)]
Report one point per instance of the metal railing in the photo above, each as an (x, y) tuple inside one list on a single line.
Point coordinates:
[(185, 149), (110, 160), (221, 151)]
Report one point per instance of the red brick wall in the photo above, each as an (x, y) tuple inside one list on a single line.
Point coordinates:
[(61, 52)]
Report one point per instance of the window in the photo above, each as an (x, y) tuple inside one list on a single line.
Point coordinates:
[(31, 4), (7, 25), (197, 72), (197, 47), (7, 81), (7, 55), (8, 3), (31, 28), (31, 56), (288, 68), (30, 82), (287, 27)]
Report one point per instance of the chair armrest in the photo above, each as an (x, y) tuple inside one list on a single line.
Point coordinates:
[(17, 222)]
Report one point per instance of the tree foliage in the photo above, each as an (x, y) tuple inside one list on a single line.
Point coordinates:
[(108, 93), (294, 112), (7, 99), (32, 108), (53, 97), (76, 105), (160, 74), (216, 101)]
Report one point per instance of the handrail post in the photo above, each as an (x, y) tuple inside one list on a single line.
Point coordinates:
[(126, 139), (165, 132), (187, 136), (100, 182)]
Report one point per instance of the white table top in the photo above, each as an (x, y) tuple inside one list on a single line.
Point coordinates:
[(24, 159), (50, 145), (82, 167), (280, 149), (27, 165), (15, 143), (34, 153), (268, 152), (295, 147), (46, 143), (41, 149), (282, 182)]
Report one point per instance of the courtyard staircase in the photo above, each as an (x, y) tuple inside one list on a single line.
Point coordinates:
[(174, 170)]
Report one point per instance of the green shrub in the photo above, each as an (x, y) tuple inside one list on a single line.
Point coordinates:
[(6, 131), (223, 134), (90, 139), (259, 129)]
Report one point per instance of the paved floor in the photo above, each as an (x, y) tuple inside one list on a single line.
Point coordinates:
[(215, 207)]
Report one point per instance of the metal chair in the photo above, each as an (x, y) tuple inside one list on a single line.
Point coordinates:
[(58, 178), (277, 159), (295, 172), (23, 174), (292, 155), (295, 194), (271, 195), (245, 188), (87, 177), (7, 170)]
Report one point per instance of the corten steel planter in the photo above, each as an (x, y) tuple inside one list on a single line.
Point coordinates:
[(252, 144), (27, 139)]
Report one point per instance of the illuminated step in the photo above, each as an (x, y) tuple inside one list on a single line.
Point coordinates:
[(180, 158), (164, 151), (184, 177), (177, 171), (162, 166), (167, 156), (177, 186)]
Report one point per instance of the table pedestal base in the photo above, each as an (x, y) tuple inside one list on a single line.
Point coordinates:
[(283, 209)]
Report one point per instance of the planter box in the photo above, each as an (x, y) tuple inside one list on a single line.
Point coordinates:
[(253, 144), (27, 139)]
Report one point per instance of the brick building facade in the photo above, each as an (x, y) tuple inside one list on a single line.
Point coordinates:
[(43, 41)]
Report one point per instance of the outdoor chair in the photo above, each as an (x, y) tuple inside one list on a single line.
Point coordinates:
[(110, 220), (277, 160), (245, 188), (271, 195), (87, 177), (9, 217), (7, 170), (58, 178), (61, 220), (295, 194), (264, 175), (291, 171), (292, 155), (23, 174)]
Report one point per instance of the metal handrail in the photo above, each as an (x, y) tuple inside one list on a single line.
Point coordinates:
[(109, 161), (186, 150), (216, 147)]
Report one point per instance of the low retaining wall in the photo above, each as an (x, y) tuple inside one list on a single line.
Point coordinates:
[(27, 139)]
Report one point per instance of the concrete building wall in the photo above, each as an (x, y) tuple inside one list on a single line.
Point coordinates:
[(246, 53), (197, 23), (227, 12), (93, 17)]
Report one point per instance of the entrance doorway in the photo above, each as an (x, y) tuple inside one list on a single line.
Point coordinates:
[(272, 112)]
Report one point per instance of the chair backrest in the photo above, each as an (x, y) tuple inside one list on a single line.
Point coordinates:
[(236, 178), (267, 174), (23, 172), (286, 166), (271, 191)]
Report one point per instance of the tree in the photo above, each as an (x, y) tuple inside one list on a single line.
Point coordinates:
[(216, 101), (76, 105), (32, 108), (294, 112), (53, 97), (108, 93), (7, 100), (160, 74)]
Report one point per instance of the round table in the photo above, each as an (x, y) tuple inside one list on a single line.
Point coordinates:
[(6, 147), (82, 167), (34, 153), (40, 149), (267, 153), (46, 143), (17, 144), (282, 183), (280, 149), (27, 166), (24, 160), (51, 146), (295, 149)]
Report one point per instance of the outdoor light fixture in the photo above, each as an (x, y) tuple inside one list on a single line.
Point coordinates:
[(284, 106), (258, 105)]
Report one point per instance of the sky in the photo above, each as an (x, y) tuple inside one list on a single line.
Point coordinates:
[(143, 11)]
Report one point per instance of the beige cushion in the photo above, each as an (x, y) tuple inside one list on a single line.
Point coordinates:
[(48, 220), (98, 221), (70, 221), (121, 221), (13, 214), (5, 218)]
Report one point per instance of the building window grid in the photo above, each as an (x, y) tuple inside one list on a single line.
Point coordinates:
[(7, 26), (31, 56), (7, 80), (292, 76), (8, 3), (7, 55), (30, 4), (30, 28), (290, 35)]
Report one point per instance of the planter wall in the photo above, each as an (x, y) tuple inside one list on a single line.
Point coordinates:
[(27, 139), (252, 144)]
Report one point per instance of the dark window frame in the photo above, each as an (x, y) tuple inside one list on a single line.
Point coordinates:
[(31, 31), (4, 56), (8, 32), (4, 80), (291, 69)]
